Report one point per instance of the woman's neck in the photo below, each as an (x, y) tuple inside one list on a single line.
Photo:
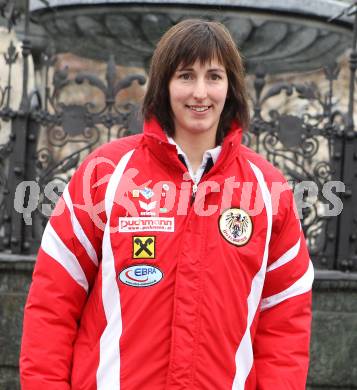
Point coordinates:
[(194, 146)]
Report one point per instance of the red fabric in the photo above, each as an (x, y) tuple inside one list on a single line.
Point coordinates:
[(281, 343)]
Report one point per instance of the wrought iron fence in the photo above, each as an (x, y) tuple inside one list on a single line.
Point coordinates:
[(319, 146)]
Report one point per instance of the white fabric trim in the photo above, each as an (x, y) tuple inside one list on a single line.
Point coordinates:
[(244, 354), (108, 373), (286, 257), (78, 230), (54, 247), (301, 286), (197, 176)]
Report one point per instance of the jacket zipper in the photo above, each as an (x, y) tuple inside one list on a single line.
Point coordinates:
[(194, 190)]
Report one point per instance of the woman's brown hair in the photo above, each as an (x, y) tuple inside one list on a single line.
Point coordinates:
[(183, 44)]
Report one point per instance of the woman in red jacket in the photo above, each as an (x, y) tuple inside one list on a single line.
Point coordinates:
[(171, 261)]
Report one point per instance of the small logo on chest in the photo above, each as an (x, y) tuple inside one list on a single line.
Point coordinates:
[(141, 275), (236, 226), (144, 247)]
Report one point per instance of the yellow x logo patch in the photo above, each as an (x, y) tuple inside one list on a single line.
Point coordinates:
[(144, 247)]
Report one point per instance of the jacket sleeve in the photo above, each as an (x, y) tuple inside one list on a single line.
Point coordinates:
[(281, 343), (64, 272)]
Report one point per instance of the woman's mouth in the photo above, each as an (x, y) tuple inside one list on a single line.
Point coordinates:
[(199, 108)]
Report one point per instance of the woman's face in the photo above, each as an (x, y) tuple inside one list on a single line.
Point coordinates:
[(197, 96)]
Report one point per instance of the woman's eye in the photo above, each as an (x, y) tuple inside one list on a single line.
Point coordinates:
[(216, 77), (185, 76)]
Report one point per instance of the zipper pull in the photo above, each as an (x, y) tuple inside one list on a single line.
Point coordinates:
[(194, 190)]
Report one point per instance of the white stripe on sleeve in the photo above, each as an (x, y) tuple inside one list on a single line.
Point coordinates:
[(286, 257), (301, 286), (78, 230), (54, 247)]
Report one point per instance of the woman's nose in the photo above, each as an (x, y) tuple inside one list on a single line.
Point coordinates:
[(200, 89)]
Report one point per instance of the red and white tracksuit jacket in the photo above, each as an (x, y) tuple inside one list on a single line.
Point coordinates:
[(143, 283)]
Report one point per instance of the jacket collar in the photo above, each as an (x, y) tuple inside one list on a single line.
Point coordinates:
[(156, 140)]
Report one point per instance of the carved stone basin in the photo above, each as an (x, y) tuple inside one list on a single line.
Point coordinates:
[(284, 35)]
